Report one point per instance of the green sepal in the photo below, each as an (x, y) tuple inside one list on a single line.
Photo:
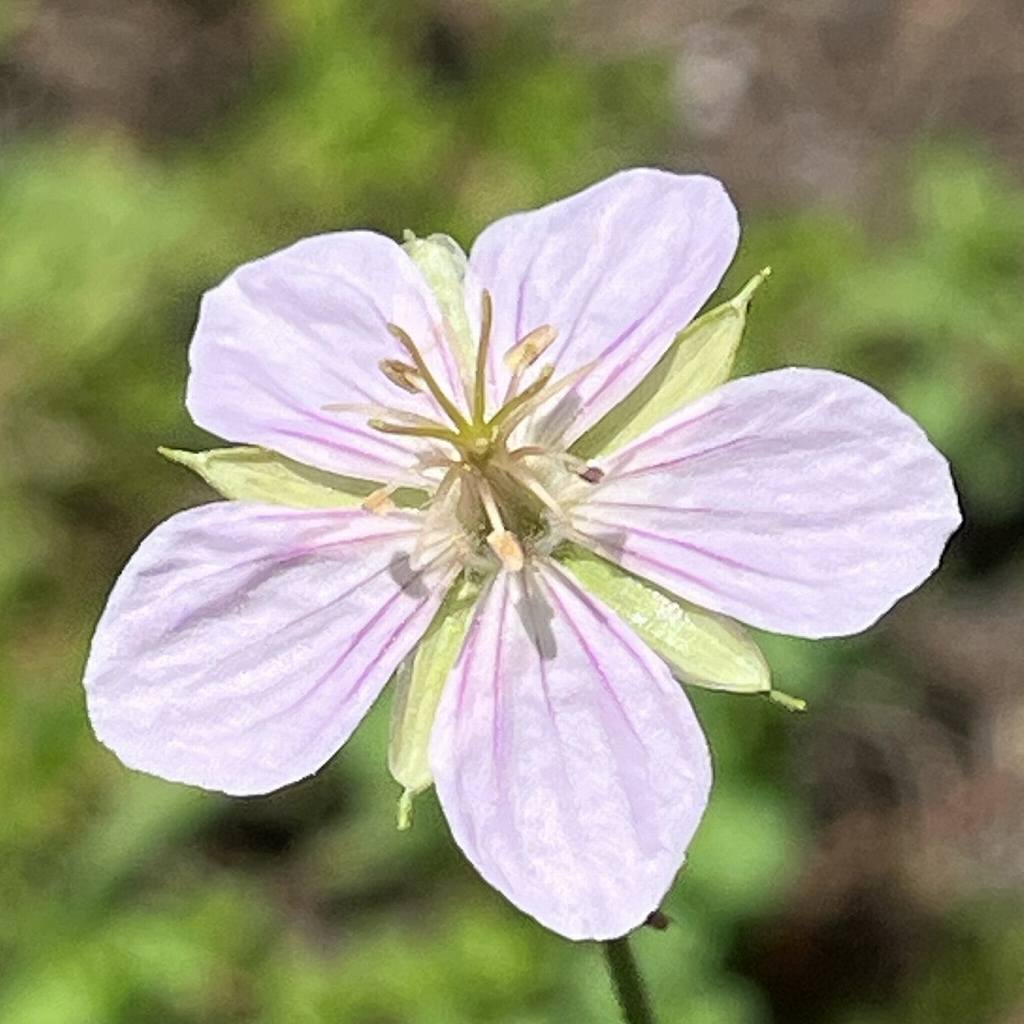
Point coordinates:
[(418, 685), (256, 474), (443, 264), (784, 700), (699, 359), (701, 647)]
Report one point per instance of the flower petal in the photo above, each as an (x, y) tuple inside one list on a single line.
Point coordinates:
[(617, 269), (306, 327), (243, 643), (799, 501), (570, 765)]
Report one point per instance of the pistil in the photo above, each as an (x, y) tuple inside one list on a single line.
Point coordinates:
[(481, 467), (482, 352), (437, 431)]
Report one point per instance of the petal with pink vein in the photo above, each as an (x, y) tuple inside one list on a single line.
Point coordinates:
[(618, 270), (570, 765), (284, 336), (243, 643), (799, 501)]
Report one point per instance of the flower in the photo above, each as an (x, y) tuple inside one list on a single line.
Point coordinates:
[(508, 482)]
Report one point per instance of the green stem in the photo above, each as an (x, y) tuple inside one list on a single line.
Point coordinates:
[(626, 980)]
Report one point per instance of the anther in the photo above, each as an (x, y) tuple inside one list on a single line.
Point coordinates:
[(657, 919), (451, 411), (503, 543), (527, 351), (506, 546), (591, 474), (402, 375), (379, 501)]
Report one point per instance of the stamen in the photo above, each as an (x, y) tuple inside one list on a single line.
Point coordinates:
[(526, 451), (482, 352), (490, 505), (537, 400), (506, 546), (582, 469), (428, 379), (431, 547), (404, 821), (539, 491), (433, 460), (402, 375), (434, 553), (440, 524), (510, 408), (382, 412), (435, 431), (379, 502), (503, 543), (527, 479), (527, 351), (446, 486)]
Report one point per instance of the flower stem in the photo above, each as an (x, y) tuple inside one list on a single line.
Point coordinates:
[(626, 980)]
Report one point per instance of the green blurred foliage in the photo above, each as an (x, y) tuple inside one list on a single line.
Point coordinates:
[(126, 899)]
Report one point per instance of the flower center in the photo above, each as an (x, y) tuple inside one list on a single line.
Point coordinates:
[(493, 494)]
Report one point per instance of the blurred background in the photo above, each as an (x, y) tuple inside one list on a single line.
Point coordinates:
[(860, 864)]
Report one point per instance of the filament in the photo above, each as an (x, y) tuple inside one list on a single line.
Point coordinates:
[(435, 431), (503, 543)]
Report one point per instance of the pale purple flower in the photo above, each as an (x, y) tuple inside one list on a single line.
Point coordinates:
[(244, 641)]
